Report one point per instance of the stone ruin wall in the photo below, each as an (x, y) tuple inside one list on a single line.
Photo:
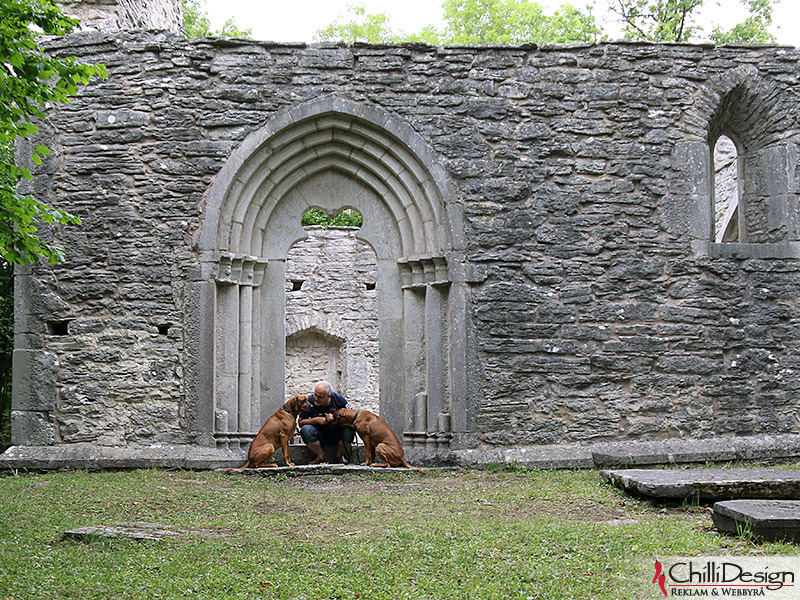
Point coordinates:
[(598, 311)]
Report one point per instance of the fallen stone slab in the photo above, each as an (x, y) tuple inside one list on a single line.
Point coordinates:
[(330, 469), (706, 484), (768, 520), (95, 458), (154, 532), (140, 532)]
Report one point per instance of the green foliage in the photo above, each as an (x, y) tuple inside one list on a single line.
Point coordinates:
[(753, 29), (347, 217), (359, 26), (676, 21), (29, 80), (657, 20), (514, 22), (196, 23), (521, 21), (471, 22)]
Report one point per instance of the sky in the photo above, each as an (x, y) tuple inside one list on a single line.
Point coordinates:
[(299, 20)]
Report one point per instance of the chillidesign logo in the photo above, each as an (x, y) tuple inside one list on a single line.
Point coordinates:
[(771, 576), (660, 578)]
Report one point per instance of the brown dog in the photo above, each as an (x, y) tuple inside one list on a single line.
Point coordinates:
[(275, 433), (378, 438)]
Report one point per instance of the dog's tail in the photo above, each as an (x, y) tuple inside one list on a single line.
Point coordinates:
[(240, 469), (410, 466)]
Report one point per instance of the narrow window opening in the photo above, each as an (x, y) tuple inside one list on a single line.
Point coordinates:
[(370, 285), (297, 285), (163, 329), (726, 190), (58, 327)]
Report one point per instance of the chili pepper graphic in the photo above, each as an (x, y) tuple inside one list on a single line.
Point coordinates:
[(660, 578)]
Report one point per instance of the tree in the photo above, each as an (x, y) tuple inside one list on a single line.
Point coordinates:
[(472, 22), (29, 81), (520, 21), (676, 21), (514, 22), (196, 23), (753, 29), (359, 26)]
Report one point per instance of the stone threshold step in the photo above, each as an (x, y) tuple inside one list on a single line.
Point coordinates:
[(330, 469), (706, 484)]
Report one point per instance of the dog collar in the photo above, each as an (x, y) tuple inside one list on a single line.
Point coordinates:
[(286, 409), (358, 412)]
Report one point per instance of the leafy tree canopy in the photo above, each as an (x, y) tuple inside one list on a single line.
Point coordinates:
[(519, 21), (29, 80), (514, 22), (677, 21), (196, 23), (471, 22)]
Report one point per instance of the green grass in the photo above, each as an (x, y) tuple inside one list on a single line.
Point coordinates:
[(470, 534)]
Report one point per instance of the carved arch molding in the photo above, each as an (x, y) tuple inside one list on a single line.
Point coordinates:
[(330, 153)]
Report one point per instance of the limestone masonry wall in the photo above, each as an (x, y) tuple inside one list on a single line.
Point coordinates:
[(598, 307)]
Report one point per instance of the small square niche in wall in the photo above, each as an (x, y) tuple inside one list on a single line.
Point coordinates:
[(58, 327)]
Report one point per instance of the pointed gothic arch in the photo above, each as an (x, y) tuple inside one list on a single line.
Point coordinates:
[(332, 153)]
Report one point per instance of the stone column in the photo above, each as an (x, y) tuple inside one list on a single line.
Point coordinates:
[(434, 355), (227, 355), (245, 357), (414, 351), (460, 409), (257, 417), (273, 339), (199, 320), (392, 400)]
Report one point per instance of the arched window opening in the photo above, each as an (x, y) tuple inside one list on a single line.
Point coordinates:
[(347, 217), (726, 190)]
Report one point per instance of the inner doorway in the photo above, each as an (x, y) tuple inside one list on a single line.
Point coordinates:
[(332, 315)]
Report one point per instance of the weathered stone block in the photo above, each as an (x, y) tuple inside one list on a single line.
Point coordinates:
[(707, 484), (34, 387), (768, 520)]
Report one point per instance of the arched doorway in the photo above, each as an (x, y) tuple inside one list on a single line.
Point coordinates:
[(314, 156)]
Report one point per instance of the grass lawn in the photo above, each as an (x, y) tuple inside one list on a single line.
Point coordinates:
[(467, 534)]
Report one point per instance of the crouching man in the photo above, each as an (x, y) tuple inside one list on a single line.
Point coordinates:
[(317, 424)]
